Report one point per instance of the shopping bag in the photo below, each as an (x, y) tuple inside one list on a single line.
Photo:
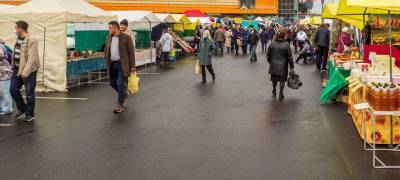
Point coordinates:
[(133, 84), (294, 81), (197, 68), (239, 42)]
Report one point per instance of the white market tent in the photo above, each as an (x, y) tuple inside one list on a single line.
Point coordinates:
[(142, 20), (48, 21), (166, 18), (5, 6)]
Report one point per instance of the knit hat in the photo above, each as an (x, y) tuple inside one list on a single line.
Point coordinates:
[(124, 22)]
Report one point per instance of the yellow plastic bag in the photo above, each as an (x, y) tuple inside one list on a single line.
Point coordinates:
[(133, 84), (197, 68)]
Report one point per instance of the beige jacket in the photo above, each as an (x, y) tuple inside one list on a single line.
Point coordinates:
[(132, 35), (29, 61)]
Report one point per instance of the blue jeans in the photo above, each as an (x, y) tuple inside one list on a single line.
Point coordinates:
[(253, 53), (118, 81), (5, 97), (30, 85)]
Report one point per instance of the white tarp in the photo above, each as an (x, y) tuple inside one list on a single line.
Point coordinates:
[(166, 18), (138, 19), (5, 6), (48, 24)]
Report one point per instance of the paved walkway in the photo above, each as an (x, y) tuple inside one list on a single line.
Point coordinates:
[(178, 129)]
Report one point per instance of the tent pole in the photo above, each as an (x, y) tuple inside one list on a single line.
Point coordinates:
[(364, 39), (151, 54), (44, 53), (390, 44)]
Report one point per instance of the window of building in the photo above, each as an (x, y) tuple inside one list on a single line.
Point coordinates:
[(247, 4)]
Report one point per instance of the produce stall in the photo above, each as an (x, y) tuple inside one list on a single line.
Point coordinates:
[(374, 90), (48, 21)]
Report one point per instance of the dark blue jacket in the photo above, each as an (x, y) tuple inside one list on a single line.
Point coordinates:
[(271, 33), (245, 38), (322, 37)]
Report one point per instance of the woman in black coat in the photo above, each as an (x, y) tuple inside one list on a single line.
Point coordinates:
[(279, 56)]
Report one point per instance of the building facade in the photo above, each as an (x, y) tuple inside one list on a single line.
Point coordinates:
[(265, 7), (288, 9)]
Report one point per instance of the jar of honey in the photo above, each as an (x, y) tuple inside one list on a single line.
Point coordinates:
[(392, 98)]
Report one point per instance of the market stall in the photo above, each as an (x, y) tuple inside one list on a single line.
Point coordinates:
[(373, 84), (48, 21)]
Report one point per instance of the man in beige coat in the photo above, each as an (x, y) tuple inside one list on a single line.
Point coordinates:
[(25, 65)]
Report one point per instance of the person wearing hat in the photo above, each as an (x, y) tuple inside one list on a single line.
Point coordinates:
[(124, 25), (344, 41)]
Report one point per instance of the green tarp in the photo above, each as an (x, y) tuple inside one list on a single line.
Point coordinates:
[(90, 40), (337, 81), (142, 39)]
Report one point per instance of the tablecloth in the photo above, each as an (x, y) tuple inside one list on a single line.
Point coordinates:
[(337, 81), (76, 67)]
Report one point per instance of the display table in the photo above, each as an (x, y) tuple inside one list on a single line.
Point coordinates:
[(337, 81), (79, 66), (365, 126)]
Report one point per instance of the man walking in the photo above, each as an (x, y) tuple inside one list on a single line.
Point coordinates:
[(322, 40), (253, 41), (166, 43), (219, 37), (124, 25), (120, 59), (25, 65), (264, 40)]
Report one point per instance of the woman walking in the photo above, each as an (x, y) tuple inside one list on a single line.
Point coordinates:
[(5, 82), (228, 40), (279, 56), (206, 50)]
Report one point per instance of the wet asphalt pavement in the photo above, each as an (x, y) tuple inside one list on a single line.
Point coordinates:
[(179, 129)]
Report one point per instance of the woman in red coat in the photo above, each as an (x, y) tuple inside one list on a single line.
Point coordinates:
[(344, 41)]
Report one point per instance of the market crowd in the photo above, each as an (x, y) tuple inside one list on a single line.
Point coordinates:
[(19, 65)]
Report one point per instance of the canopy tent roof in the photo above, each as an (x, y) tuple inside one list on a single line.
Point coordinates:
[(194, 13), (345, 9), (376, 4), (56, 10), (312, 20), (201, 20), (5, 6), (330, 11), (165, 17), (138, 19), (181, 18)]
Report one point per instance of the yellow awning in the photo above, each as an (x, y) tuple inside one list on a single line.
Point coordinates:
[(315, 20), (361, 9), (376, 4), (181, 18), (330, 11)]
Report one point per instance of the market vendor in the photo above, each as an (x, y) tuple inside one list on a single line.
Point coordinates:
[(344, 42)]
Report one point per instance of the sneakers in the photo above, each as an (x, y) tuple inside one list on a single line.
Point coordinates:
[(20, 115), (29, 118)]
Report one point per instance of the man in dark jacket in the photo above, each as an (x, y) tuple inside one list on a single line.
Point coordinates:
[(264, 40), (245, 39), (253, 41), (120, 59), (234, 40), (219, 38), (322, 40)]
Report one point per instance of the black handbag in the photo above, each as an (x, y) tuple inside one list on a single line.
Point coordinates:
[(294, 81)]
